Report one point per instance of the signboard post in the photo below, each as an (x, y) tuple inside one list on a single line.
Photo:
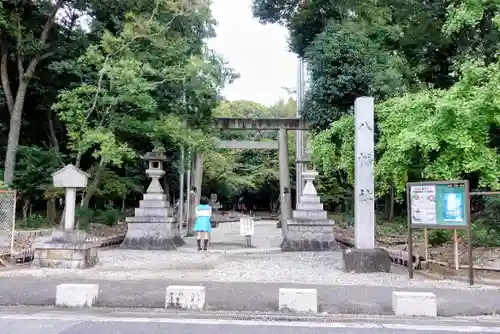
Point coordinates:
[(247, 228), (439, 205)]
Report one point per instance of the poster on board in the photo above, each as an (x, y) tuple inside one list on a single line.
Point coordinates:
[(423, 204)]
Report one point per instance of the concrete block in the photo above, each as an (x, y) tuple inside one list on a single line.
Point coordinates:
[(185, 297), (298, 300), (414, 304), (77, 295)]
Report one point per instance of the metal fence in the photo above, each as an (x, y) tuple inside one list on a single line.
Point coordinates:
[(7, 221)]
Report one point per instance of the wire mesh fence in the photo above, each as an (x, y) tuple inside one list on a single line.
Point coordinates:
[(7, 220)]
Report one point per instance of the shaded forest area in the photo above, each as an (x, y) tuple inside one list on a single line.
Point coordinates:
[(100, 83)]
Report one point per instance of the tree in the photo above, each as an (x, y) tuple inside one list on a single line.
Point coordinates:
[(434, 134), (345, 63), (122, 99), (415, 45), (443, 134), (30, 34)]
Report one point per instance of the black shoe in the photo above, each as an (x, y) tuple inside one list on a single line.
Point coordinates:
[(205, 244), (198, 241)]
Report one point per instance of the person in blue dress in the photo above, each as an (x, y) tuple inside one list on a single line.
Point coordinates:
[(203, 225)]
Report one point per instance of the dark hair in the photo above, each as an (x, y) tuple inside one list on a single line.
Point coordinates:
[(204, 200)]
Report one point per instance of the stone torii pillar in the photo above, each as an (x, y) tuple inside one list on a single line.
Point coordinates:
[(285, 191)]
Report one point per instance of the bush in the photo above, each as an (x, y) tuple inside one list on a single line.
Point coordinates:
[(36, 221), (486, 223), (108, 217), (439, 237)]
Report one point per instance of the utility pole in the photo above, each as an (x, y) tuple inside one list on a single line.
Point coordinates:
[(300, 133)]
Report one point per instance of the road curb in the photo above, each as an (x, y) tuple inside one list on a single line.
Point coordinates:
[(105, 312)]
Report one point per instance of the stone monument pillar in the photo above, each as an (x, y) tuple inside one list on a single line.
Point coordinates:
[(153, 225), (309, 229), (365, 257), (67, 248)]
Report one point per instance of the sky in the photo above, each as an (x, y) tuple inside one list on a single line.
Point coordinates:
[(259, 53)]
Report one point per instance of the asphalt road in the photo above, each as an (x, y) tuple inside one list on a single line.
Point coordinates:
[(97, 325), (223, 296)]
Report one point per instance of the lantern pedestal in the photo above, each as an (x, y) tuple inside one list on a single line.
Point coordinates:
[(309, 229)]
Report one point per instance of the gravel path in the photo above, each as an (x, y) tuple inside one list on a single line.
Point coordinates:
[(306, 268), (319, 268)]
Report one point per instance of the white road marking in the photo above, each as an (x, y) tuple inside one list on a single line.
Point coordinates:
[(99, 319)]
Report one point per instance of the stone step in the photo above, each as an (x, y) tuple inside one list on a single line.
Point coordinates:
[(307, 214), (310, 206), (314, 199), (150, 219), (155, 197), (310, 222), (153, 204), (153, 212)]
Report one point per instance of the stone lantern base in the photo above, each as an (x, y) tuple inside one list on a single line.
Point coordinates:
[(65, 249), (153, 227)]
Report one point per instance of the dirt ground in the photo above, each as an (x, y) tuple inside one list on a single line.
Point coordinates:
[(24, 240), (483, 257)]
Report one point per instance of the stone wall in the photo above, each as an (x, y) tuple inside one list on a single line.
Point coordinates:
[(66, 256)]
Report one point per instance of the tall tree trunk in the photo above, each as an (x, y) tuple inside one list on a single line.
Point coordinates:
[(91, 190), (391, 205), (51, 210), (14, 131), (52, 131), (193, 203), (26, 205)]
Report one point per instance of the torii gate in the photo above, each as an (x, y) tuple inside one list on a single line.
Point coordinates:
[(282, 125)]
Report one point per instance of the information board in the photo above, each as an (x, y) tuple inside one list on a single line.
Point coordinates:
[(439, 204)]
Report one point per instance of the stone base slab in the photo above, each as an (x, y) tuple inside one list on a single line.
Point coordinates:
[(69, 236), (366, 260), (152, 236), (306, 245), (310, 236), (65, 255)]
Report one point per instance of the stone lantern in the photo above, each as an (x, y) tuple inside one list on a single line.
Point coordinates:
[(67, 248), (153, 225), (155, 170), (309, 229)]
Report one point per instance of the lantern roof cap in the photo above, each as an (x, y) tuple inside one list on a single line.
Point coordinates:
[(155, 155)]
